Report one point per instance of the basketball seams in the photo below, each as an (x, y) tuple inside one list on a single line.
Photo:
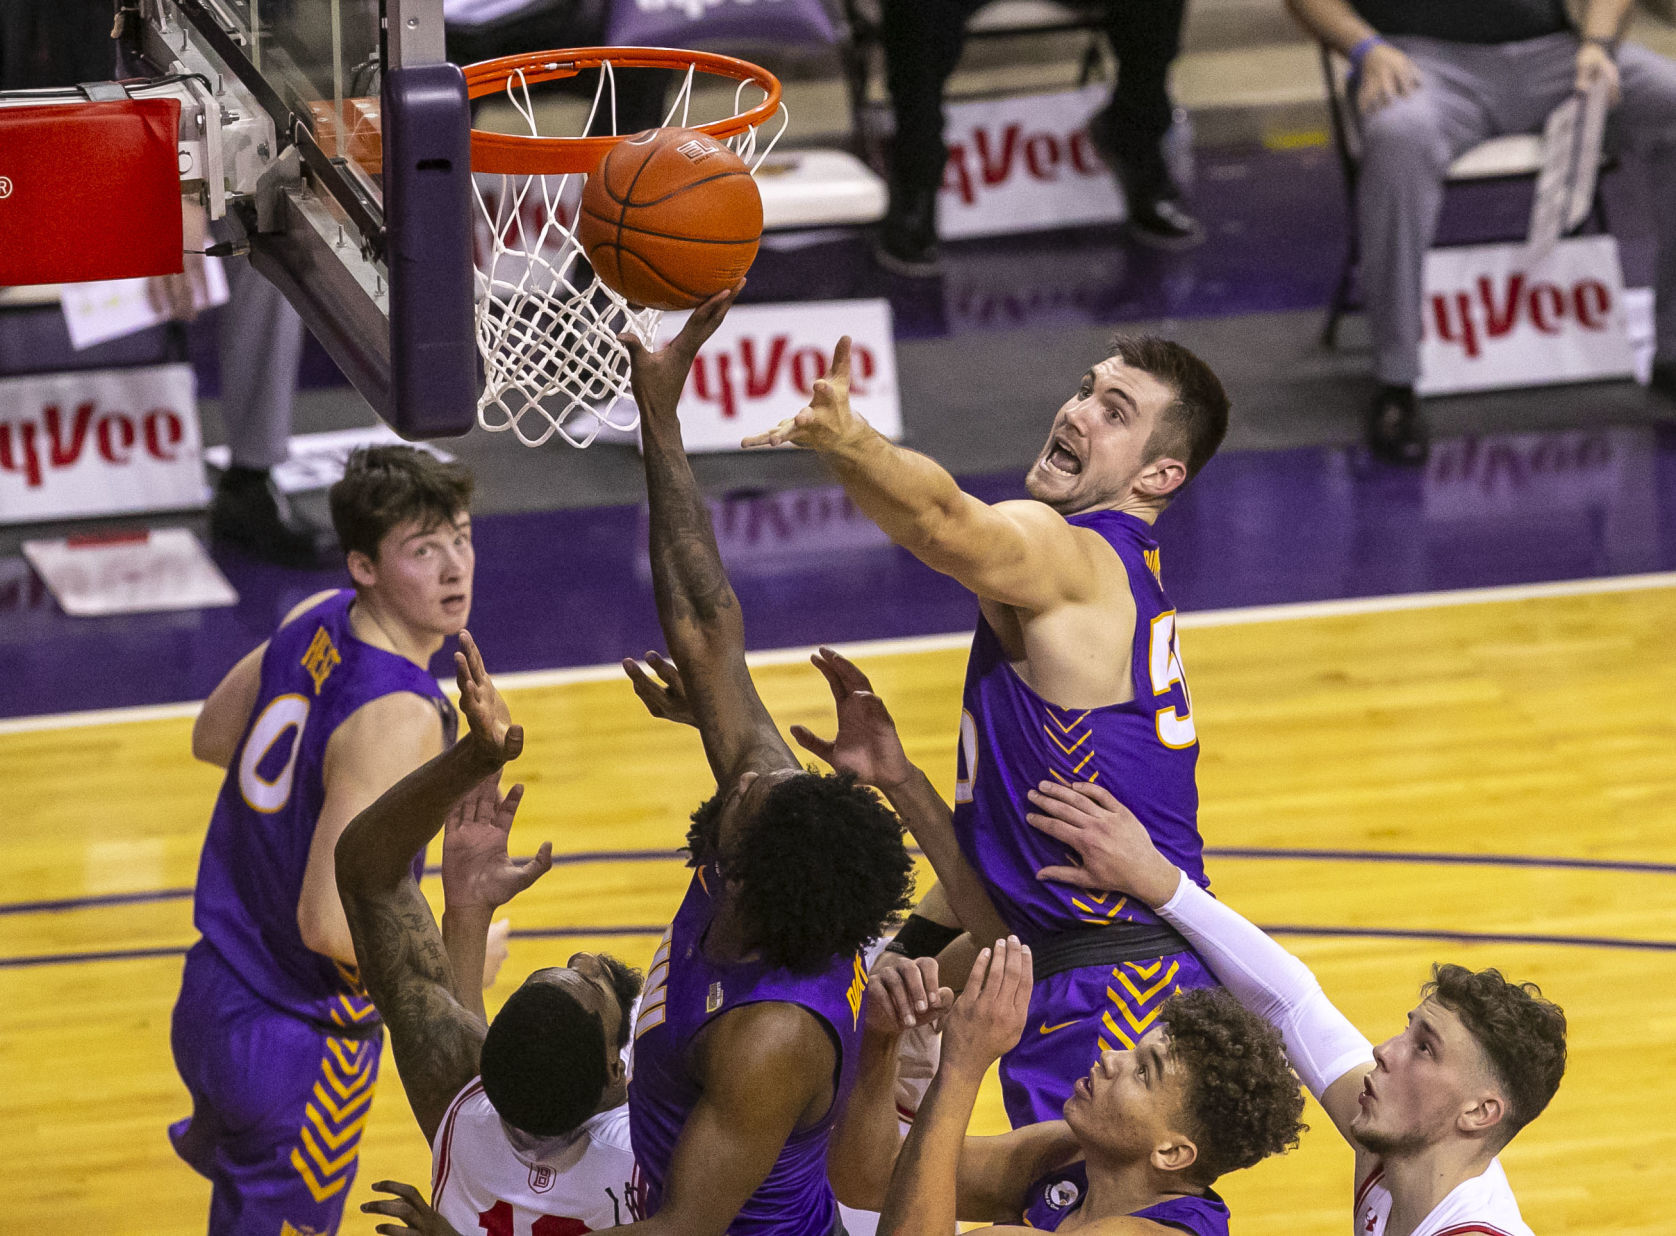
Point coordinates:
[(695, 184)]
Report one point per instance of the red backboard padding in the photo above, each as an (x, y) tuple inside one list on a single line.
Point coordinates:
[(89, 191)]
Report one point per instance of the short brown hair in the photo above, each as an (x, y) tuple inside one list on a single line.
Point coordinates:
[(1195, 422), (1522, 1034), (383, 486), (1242, 1102)]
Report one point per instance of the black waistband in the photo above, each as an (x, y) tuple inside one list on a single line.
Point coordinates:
[(1105, 946)]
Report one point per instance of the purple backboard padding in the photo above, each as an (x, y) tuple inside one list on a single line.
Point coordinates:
[(427, 210), (666, 23)]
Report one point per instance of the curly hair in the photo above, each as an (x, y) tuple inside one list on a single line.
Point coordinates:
[(626, 982), (1521, 1033), (1242, 1102), (820, 870), (383, 486)]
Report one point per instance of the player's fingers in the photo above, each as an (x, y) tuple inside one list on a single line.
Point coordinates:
[(812, 743), (1068, 875), (890, 985), (823, 662), (841, 360), (1063, 803), (975, 979), (512, 746), (848, 671), (1099, 795), (1054, 827), (509, 805), (666, 670), (913, 982)]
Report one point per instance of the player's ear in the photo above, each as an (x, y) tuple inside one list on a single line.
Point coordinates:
[(362, 570), (1175, 1155), (1162, 477), (1483, 1113)]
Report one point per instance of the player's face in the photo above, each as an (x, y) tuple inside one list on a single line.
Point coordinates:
[(423, 574), (1422, 1081), (743, 803), (1096, 448), (1127, 1105)]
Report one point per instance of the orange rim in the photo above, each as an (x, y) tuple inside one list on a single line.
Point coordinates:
[(553, 156)]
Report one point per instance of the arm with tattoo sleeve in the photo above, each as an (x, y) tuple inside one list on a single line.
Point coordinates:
[(697, 607)]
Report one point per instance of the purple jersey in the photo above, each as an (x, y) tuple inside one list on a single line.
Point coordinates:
[(1059, 1193), (1144, 751), (684, 991), (315, 673)]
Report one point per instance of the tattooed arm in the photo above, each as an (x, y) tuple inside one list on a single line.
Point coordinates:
[(403, 962), (696, 605)]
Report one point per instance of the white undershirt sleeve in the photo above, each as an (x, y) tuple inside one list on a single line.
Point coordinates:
[(1320, 1041)]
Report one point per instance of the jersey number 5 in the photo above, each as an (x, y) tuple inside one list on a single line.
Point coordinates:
[(1174, 725)]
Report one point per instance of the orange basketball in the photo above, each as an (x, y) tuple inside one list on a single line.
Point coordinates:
[(669, 218)]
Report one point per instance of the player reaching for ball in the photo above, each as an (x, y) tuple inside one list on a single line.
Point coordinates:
[(747, 1039), (1075, 674), (1428, 1110)]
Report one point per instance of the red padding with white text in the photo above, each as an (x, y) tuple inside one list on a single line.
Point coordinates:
[(89, 191)]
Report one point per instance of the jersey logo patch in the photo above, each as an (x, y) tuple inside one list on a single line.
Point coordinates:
[(713, 1001), (541, 1179), (321, 658), (1062, 1194), (1044, 1028)]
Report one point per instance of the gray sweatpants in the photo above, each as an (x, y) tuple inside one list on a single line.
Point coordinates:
[(1471, 93), (261, 345)]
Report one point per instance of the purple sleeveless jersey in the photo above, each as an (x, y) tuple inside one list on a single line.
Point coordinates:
[(684, 991), (315, 673), (1144, 751), (1059, 1193)]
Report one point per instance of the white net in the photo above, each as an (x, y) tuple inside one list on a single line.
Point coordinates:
[(547, 327)]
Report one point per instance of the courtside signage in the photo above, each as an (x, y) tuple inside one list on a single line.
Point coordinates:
[(764, 360), (1024, 163), (99, 442), (1493, 320)]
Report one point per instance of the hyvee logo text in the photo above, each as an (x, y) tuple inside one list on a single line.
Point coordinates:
[(753, 369), (996, 157), (1492, 309), (58, 440)]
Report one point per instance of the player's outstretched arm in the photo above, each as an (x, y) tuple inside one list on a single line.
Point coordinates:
[(763, 1069), (1329, 1054), (697, 607), (868, 746), (404, 964), (923, 1198), (1016, 553)]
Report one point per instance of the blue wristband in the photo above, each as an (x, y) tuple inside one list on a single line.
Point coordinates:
[(1359, 52)]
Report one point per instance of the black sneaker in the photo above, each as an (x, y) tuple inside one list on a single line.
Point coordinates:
[(250, 514), (1663, 381), (1396, 427), (907, 241), (1163, 224)]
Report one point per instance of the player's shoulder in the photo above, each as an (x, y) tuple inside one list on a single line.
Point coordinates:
[(610, 1129), (302, 607), (398, 723)]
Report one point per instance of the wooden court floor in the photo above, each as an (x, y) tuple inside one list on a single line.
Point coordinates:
[(1514, 733)]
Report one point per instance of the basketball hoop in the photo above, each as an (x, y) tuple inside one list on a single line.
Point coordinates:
[(547, 327)]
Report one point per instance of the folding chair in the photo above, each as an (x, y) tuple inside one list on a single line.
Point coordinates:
[(1513, 156)]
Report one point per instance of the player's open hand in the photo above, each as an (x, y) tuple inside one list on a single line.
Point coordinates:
[(1115, 849), (902, 993), (827, 422), (657, 377), (478, 873), (989, 1016), (867, 744), (409, 1206), (1386, 75), (667, 700), (485, 711)]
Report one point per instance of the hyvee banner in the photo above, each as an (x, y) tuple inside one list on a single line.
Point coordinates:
[(99, 442), (763, 362), (1024, 163), (1492, 320)]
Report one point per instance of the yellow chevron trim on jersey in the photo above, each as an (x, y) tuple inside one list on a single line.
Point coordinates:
[(340, 1139), (345, 1062), (345, 1090), (355, 1014), (354, 1075), (1062, 746), (320, 1192), (1091, 915), (1104, 1046), (1138, 1025), (1141, 997), (1106, 1020), (1145, 972), (1084, 762), (340, 1114), (327, 1166), (1064, 726)]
